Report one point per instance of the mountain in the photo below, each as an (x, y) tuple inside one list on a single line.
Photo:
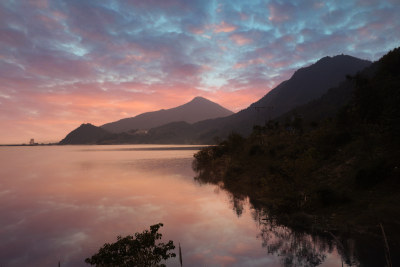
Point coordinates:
[(330, 103), (134, 130), (84, 134), (196, 110), (306, 84), (310, 83)]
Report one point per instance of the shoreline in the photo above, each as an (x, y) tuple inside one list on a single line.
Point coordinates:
[(49, 144)]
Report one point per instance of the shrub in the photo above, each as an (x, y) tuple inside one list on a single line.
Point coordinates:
[(140, 250)]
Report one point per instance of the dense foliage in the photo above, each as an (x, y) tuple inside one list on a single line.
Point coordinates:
[(140, 250)]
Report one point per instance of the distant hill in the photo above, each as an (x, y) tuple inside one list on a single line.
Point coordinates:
[(84, 134), (196, 110), (134, 130)]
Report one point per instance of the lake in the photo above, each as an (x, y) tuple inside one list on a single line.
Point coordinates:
[(62, 203)]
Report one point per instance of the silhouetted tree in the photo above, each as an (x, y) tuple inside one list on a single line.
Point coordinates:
[(140, 250)]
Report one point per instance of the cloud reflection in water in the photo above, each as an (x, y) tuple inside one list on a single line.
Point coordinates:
[(63, 203)]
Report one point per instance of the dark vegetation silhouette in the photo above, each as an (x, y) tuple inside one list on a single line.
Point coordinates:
[(139, 250), (338, 176)]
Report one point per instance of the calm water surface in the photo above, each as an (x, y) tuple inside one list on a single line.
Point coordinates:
[(62, 203)]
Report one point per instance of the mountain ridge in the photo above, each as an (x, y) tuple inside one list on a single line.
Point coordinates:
[(326, 73), (198, 109), (135, 129), (329, 71)]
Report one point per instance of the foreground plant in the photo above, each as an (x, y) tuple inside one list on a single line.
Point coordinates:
[(140, 250)]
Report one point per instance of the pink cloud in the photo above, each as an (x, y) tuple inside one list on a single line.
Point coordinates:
[(197, 30), (280, 12), (224, 27), (240, 39)]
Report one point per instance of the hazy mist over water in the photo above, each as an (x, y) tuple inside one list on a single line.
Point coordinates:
[(62, 203)]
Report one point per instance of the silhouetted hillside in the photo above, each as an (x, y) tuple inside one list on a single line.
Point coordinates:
[(330, 103), (196, 110), (85, 134), (310, 83), (163, 134)]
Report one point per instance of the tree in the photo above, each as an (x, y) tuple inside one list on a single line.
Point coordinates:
[(140, 250)]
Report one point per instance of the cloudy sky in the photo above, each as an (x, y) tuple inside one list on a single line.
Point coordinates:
[(67, 62)]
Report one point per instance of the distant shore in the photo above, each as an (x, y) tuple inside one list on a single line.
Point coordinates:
[(191, 146), (36, 144)]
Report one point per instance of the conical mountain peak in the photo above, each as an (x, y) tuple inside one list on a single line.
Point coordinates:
[(199, 108), (200, 98)]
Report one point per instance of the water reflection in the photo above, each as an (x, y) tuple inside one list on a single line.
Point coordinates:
[(318, 247), (294, 248), (144, 148)]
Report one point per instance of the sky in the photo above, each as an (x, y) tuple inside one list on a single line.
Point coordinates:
[(67, 62)]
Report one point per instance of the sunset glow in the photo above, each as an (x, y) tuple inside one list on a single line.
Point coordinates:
[(63, 63)]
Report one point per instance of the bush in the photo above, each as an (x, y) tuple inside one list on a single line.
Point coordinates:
[(140, 250), (329, 197), (256, 150), (372, 175)]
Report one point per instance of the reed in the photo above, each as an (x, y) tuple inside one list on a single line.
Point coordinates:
[(387, 251), (180, 254)]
